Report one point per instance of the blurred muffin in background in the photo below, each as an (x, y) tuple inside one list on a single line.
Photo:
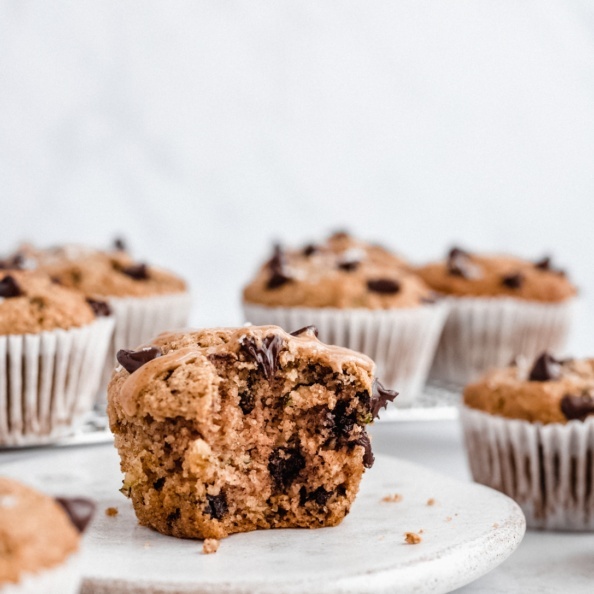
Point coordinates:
[(529, 432), (145, 300), (53, 343), (500, 307), (39, 540), (358, 295)]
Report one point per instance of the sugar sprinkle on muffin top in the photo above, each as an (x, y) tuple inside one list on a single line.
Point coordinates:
[(341, 272), (466, 274)]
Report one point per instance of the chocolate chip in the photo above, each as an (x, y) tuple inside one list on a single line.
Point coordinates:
[(306, 330), (15, 262), (543, 263), (368, 457), (217, 505), (284, 465), (119, 245), (459, 264), (246, 402), (513, 281), (266, 354), (545, 368), (100, 308), (380, 397), (276, 265), (9, 287), (310, 250), (80, 510), (320, 496), (577, 407), (136, 271), (159, 484), (133, 360), (384, 285), (349, 265), (339, 420)]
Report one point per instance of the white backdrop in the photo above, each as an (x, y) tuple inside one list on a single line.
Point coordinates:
[(200, 130)]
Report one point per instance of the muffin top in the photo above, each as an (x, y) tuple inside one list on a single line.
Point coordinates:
[(161, 380), (341, 272), (31, 302), (466, 274), (547, 390), (35, 531), (101, 273)]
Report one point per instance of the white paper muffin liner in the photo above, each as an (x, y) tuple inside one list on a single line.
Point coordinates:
[(400, 341), (48, 381), (547, 469), (485, 332), (62, 579), (138, 320)]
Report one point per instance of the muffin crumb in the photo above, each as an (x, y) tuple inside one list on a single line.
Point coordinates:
[(412, 538), (430, 501), (111, 512), (395, 498), (210, 546)]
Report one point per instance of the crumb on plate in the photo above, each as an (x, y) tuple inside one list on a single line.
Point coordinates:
[(211, 545), (412, 538), (111, 512), (395, 498), (430, 501)]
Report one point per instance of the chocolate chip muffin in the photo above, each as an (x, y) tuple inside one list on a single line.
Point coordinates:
[(360, 296), (231, 430), (500, 307), (38, 540), (53, 343), (144, 299), (529, 432)]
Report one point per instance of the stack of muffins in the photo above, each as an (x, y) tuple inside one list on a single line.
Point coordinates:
[(63, 311)]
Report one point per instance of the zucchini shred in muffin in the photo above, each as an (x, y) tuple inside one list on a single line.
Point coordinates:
[(231, 430)]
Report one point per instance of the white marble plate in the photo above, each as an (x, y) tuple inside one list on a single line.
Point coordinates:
[(467, 532)]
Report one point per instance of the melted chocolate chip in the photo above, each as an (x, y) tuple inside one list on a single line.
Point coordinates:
[(80, 510), (545, 368), (266, 354), (246, 402), (459, 264), (306, 330), (513, 281), (100, 308), (276, 265), (384, 285), (577, 407), (119, 245), (9, 287), (159, 484), (136, 271), (320, 496), (380, 397), (310, 250), (368, 457), (217, 505), (349, 265), (284, 465), (133, 360)]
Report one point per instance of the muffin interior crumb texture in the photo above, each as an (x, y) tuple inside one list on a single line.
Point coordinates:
[(231, 430)]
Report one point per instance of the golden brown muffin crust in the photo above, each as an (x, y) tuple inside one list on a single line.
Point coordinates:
[(35, 532), (342, 273), (466, 274), (102, 274), (510, 392), (38, 304)]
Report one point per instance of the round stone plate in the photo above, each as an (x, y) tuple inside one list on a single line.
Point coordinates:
[(467, 531)]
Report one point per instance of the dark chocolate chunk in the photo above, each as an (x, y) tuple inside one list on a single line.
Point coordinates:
[(543, 263), (284, 466), (133, 360), (319, 496), (217, 505), (276, 265), (266, 354), (349, 265), (306, 330), (368, 457), (339, 420), (310, 250), (246, 402), (577, 407), (136, 271), (545, 368), (384, 285), (119, 245), (100, 308), (459, 264), (513, 281), (80, 510), (159, 484), (9, 287), (380, 397), (277, 279)]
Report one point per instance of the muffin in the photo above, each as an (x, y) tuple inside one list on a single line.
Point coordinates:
[(39, 541), (145, 300), (53, 343), (529, 432), (231, 430), (359, 296), (500, 307)]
